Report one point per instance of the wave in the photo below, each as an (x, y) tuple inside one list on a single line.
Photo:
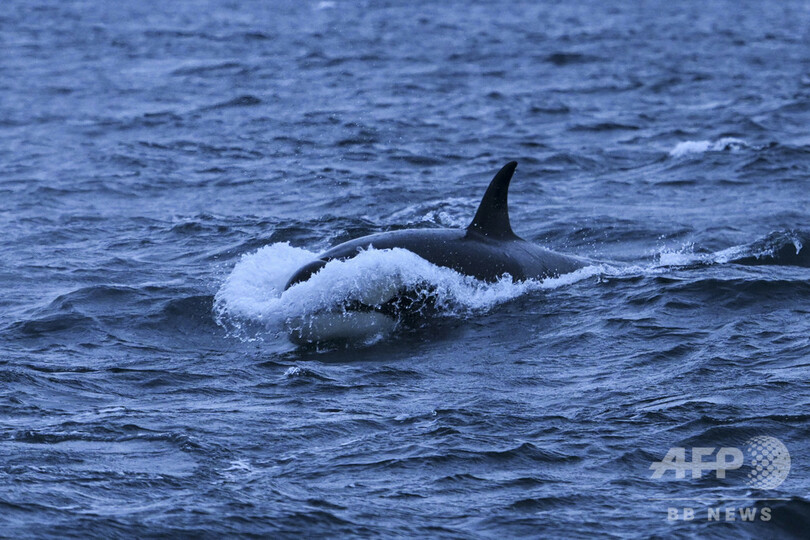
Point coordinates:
[(780, 248), (699, 147), (246, 100), (450, 212), (568, 58), (215, 68), (110, 313)]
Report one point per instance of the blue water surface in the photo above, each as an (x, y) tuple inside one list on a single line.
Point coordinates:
[(146, 147)]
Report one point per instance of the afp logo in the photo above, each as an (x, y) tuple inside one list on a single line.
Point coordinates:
[(768, 458)]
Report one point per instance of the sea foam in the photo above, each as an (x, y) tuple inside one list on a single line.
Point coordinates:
[(699, 147)]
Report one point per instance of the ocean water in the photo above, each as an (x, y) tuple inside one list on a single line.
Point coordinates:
[(165, 166)]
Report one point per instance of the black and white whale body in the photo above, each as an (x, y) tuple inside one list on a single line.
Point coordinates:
[(487, 250)]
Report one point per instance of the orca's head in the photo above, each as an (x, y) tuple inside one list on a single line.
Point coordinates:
[(373, 310), (378, 296)]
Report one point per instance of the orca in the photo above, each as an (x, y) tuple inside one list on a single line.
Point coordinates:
[(487, 250)]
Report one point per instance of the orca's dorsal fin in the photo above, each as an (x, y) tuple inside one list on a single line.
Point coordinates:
[(492, 218)]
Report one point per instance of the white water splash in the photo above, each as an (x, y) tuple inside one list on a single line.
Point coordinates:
[(253, 292), (686, 256), (699, 147), (451, 212)]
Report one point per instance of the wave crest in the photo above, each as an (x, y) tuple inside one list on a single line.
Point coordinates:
[(699, 147)]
